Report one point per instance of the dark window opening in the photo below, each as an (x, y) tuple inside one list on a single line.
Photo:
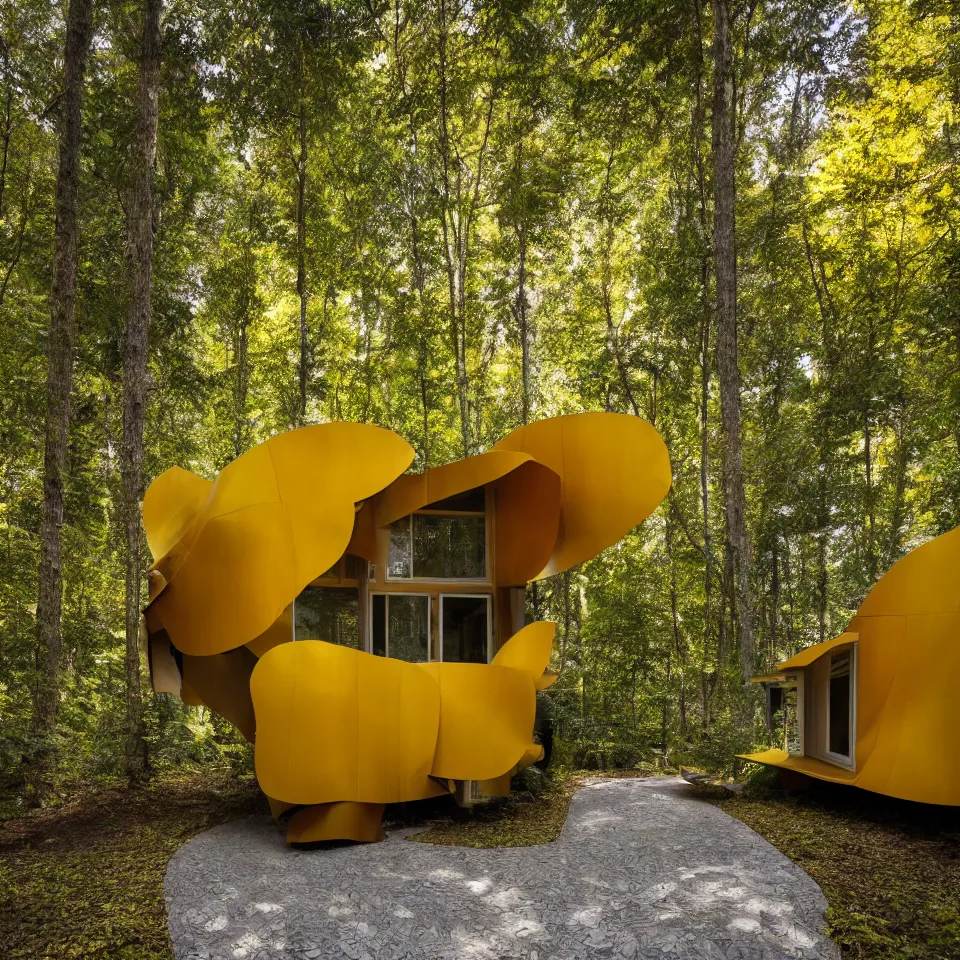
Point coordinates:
[(378, 625), (464, 629), (470, 501), (840, 682)]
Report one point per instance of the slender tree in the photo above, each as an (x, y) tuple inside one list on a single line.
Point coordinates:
[(139, 256), (60, 351), (725, 267)]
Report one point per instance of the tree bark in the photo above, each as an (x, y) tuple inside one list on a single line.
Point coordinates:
[(303, 369), (139, 255), (526, 329), (698, 123), (60, 349), (725, 265), (459, 201)]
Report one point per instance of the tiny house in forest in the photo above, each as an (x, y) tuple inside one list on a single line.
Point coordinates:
[(363, 626), (874, 707)]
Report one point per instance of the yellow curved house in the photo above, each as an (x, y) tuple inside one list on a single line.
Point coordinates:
[(874, 707), (363, 626)]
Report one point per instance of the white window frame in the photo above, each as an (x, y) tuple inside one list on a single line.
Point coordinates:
[(838, 759), (368, 640), (413, 578), (470, 596)]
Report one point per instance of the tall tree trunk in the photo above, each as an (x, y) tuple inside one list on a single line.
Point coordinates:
[(823, 582), (241, 341), (698, 128), (303, 368), (452, 224), (678, 647), (725, 265), (870, 510), (460, 200), (526, 329), (140, 267), (60, 348)]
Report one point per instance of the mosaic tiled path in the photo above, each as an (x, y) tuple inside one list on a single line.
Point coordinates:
[(642, 869)]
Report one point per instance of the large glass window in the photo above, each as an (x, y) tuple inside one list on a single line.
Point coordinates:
[(437, 546), (465, 628), (327, 613), (400, 626)]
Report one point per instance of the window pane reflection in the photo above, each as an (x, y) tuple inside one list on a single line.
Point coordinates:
[(407, 626), (449, 547), (327, 613)]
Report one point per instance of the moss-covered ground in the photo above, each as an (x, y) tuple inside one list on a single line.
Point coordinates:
[(85, 879), (890, 869)]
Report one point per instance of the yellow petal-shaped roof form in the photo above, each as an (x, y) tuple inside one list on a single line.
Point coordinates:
[(335, 724), (614, 470), (170, 505), (415, 490), (274, 519), (809, 654), (923, 582)]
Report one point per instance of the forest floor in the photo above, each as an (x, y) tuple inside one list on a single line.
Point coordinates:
[(85, 880), (890, 869)]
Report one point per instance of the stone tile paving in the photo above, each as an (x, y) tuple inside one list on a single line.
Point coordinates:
[(642, 869)]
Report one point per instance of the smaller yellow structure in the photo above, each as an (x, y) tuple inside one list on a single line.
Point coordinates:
[(364, 627), (875, 707)]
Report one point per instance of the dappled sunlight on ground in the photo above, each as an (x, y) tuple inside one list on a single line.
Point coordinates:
[(642, 868)]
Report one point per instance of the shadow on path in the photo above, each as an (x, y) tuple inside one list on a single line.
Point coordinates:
[(642, 869)]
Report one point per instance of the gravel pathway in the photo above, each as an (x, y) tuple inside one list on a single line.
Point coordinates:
[(642, 869)]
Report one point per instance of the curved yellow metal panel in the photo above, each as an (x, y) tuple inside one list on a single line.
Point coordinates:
[(497, 787), (280, 631), (223, 684), (486, 719), (415, 490), (170, 505), (336, 821), (806, 656), (547, 679), (531, 755), (921, 583), (278, 808), (808, 765), (527, 518), (907, 740), (337, 724), (907, 634), (275, 519), (614, 468), (528, 649)]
